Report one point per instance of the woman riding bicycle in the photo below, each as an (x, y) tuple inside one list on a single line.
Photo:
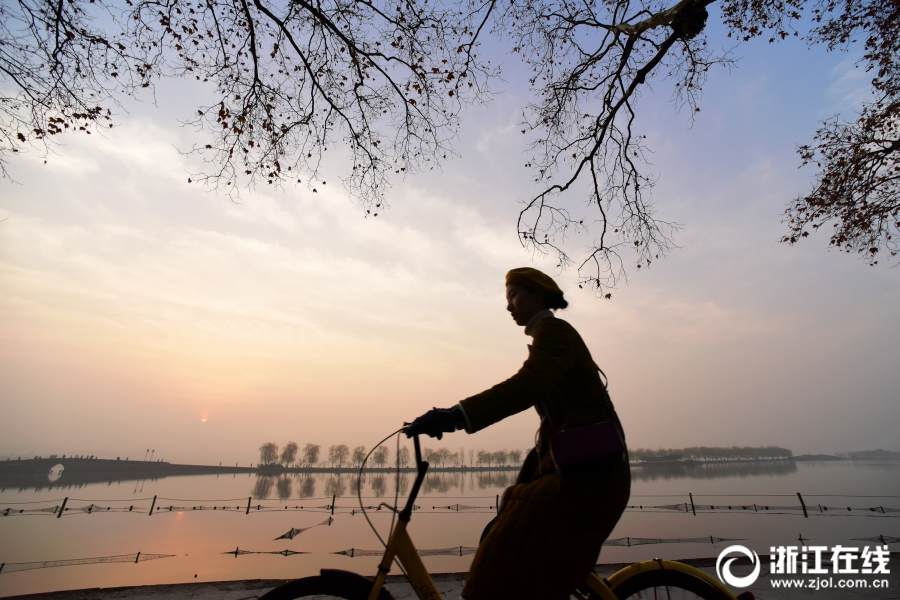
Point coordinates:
[(548, 533)]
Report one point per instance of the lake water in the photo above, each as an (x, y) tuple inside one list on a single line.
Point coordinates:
[(199, 539)]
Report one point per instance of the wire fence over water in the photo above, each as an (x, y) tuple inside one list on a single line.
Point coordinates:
[(6, 568), (807, 506), (295, 531), (46, 564), (238, 552), (467, 550), (624, 541)]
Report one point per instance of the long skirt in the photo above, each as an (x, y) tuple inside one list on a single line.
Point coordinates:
[(547, 536)]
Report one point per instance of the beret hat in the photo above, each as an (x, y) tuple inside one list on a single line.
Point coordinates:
[(532, 278)]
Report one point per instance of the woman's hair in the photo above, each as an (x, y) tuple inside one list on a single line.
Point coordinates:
[(555, 301), (551, 301)]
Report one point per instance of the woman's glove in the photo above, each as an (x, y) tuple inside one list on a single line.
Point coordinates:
[(436, 422)]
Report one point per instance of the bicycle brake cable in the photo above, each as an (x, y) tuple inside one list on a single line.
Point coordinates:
[(359, 486), (396, 489)]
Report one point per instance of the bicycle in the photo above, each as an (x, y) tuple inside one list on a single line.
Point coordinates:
[(648, 579)]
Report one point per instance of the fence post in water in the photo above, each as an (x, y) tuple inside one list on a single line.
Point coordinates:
[(694, 510), (152, 507), (498, 504), (333, 500), (137, 558), (62, 508), (803, 504), (248, 509)]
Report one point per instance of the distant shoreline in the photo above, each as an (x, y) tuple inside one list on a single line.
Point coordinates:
[(42, 466), (37, 474)]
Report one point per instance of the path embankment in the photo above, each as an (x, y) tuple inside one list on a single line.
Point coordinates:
[(449, 584)]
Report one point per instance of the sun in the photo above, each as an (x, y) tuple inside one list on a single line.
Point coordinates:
[(203, 419)]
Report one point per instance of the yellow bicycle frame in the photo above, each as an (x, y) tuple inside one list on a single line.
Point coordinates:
[(400, 546)]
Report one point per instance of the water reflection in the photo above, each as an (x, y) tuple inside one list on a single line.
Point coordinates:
[(463, 501), (652, 472), (307, 485), (336, 485), (491, 479), (283, 487), (263, 486), (401, 486), (380, 485), (441, 482)]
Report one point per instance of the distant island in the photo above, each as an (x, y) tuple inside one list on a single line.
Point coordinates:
[(712, 454)]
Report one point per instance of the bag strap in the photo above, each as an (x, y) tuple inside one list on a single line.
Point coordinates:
[(604, 380)]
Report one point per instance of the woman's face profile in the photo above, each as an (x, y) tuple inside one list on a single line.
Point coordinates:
[(523, 304)]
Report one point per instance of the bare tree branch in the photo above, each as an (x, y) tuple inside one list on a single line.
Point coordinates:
[(590, 61), (61, 67), (858, 185), (386, 81)]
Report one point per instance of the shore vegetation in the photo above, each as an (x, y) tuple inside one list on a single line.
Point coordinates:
[(711, 453)]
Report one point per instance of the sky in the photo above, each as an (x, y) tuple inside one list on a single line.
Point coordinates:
[(137, 311)]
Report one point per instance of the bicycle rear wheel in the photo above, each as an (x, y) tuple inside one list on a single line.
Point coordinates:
[(668, 585)]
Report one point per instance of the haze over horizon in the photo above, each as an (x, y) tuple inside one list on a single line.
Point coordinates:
[(137, 311)]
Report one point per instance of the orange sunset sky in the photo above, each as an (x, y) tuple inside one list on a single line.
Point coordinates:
[(137, 311)]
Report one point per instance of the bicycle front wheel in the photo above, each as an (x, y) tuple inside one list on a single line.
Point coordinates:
[(668, 585), (330, 585)]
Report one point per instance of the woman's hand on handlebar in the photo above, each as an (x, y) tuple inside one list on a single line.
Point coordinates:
[(436, 422)]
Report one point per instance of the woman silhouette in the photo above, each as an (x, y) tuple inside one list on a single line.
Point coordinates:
[(548, 533)]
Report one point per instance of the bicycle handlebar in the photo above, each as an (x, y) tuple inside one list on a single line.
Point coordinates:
[(421, 469), (418, 448)]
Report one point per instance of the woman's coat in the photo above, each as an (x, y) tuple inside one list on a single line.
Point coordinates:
[(548, 533)]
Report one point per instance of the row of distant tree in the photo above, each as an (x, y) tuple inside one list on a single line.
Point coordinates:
[(711, 453), (340, 455)]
